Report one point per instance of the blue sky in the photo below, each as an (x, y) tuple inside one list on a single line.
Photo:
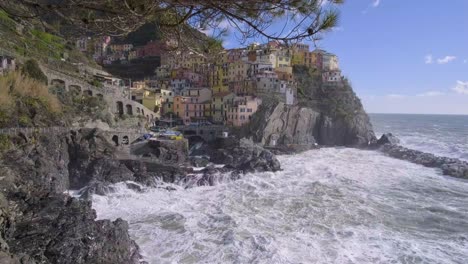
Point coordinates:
[(403, 56)]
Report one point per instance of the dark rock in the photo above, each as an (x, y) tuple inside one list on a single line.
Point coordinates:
[(167, 151), (40, 224), (449, 166), (135, 187), (246, 157), (388, 138), (59, 229), (91, 159), (149, 173), (199, 161), (95, 187)]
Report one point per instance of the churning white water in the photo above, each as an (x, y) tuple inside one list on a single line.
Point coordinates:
[(326, 206)]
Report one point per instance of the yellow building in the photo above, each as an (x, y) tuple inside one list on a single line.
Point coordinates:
[(219, 78), (238, 71), (297, 57)]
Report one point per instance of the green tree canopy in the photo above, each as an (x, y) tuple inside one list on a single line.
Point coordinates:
[(176, 19)]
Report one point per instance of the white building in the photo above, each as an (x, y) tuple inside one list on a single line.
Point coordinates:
[(330, 62), (332, 76)]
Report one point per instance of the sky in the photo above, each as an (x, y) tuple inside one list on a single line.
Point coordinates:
[(403, 56)]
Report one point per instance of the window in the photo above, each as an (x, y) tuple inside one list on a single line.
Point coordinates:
[(242, 110), (249, 110)]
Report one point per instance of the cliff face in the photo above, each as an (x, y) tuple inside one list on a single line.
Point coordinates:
[(326, 114), (41, 224)]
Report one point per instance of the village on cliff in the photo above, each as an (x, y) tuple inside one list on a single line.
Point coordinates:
[(226, 89)]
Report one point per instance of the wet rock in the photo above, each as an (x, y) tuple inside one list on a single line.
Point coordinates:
[(246, 156), (199, 161), (388, 138), (449, 166), (40, 224), (135, 187)]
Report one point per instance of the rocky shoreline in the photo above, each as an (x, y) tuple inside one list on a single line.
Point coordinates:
[(40, 223), (388, 144)]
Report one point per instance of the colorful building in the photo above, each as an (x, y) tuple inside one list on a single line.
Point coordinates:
[(220, 103), (240, 111)]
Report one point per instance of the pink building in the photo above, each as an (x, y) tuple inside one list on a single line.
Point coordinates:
[(192, 104), (240, 111)]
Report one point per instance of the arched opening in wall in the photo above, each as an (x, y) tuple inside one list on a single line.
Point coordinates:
[(142, 112), (147, 118), (75, 90), (115, 139), (129, 109), (57, 82), (125, 140), (88, 92), (120, 109), (100, 96), (138, 110)]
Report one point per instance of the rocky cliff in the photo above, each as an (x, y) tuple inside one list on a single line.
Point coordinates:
[(39, 223), (326, 114)]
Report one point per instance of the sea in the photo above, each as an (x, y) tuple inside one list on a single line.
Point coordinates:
[(332, 205)]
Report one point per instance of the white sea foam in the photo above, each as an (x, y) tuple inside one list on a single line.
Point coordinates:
[(326, 206), (441, 135)]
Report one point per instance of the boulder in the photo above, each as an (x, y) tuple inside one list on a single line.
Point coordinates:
[(246, 156), (388, 138)]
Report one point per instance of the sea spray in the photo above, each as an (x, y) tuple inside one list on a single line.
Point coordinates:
[(326, 206)]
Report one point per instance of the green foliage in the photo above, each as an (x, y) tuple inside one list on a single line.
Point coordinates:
[(46, 43), (6, 20), (24, 121), (5, 143), (96, 83), (32, 70)]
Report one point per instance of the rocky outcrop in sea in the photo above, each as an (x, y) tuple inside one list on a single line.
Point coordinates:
[(388, 144)]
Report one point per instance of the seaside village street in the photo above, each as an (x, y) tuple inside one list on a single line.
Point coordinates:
[(225, 88)]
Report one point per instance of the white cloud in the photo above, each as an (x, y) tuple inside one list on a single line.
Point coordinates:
[(376, 3), (395, 96), (428, 59), (461, 87), (446, 59), (431, 93)]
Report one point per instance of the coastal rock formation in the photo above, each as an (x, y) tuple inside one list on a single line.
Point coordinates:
[(279, 124), (240, 156), (41, 224), (388, 138), (244, 156), (388, 144), (449, 166)]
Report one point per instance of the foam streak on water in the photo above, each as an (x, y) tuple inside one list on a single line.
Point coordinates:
[(327, 206), (442, 135)]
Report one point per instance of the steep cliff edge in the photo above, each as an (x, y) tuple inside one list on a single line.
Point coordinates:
[(39, 223), (326, 114)]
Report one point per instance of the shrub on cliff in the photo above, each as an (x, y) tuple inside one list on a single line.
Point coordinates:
[(32, 70), (26, 102)]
